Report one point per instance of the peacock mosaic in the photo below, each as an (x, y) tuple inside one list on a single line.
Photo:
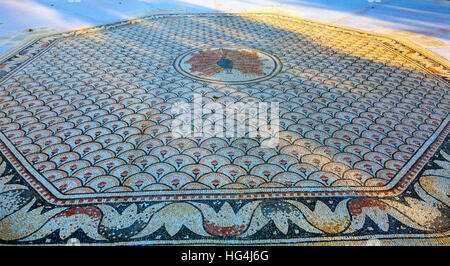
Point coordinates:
[(88, 152), (238, 65)]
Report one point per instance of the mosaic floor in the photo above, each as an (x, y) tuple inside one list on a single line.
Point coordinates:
[(88, 150)]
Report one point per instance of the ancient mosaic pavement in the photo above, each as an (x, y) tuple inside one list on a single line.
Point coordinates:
[(88, 152)]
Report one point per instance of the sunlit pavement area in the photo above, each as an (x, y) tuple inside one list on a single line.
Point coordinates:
[(423, 22), (224, 122)]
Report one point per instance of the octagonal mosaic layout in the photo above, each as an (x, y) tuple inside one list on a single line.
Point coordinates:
[(89, 116), (85, 115)]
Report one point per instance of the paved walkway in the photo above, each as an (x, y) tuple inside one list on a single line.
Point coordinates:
[(424, 22)]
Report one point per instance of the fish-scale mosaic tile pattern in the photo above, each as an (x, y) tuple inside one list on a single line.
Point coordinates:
[(85, 115), (91, 114)]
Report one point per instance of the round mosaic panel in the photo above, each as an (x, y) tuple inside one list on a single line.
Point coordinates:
[(228, 65)]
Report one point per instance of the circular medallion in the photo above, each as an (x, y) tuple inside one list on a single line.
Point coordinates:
[(228, 65)]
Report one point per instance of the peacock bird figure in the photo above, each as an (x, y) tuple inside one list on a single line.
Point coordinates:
[(224, 62)]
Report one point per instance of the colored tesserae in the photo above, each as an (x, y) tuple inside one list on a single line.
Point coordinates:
[(223, 128)]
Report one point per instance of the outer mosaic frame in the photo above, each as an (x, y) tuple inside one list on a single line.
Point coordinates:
[(418, 212)]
